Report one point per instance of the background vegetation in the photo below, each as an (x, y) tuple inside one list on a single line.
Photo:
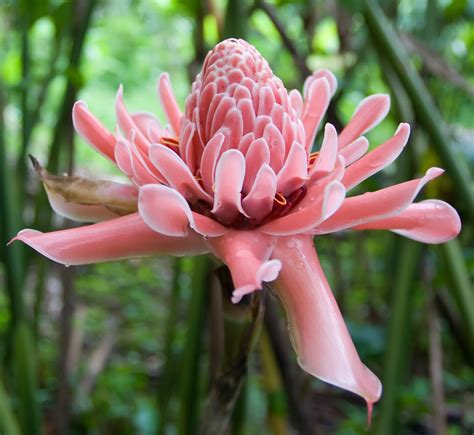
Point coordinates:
[(132, 347)]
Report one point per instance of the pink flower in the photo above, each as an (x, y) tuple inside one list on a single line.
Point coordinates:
[(234, 175)]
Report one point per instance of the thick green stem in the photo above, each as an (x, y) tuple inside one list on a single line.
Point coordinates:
[(8, 422)]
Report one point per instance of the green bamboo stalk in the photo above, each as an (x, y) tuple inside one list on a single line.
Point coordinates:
[(165, 386), (8, 422), (425, 109), (189, 380), (398, 334), (461, 287)]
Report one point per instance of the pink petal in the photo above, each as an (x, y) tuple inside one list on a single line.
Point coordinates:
[(230, 172), (296, 101), (294, 172), (318, 74), (177, 174), (127, 124), (377, 159), (328, 154), (168, 102), (319, 334), (377, 205), (276, 146), (430, 221), (257, 155), (259, 201), (143, 121), (355, 150), (117, 239), (369, 113), (248, 115), (325, 202), (92, 130), (246, 254), (130, 163), (165, 211), (211, 154), (315, 106)]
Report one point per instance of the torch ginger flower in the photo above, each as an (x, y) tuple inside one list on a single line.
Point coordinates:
[(235, 176)]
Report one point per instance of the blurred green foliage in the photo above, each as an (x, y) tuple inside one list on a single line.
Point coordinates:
[(121, 309)]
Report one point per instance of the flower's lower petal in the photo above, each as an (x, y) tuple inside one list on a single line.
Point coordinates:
[(377, 159), (246, 254), (369, 113), (169, 104), (117, 239), (327, 157), (93, 131), (148, 123), (316, 103), (166, 211), (177, 174), (373, 206), (326, 201), (430, 221), (294, 172), (229, 178), (318, 331), (355, 150), (259, 201)]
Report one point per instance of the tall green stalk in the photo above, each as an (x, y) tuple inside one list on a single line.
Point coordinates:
[(8, 422), (383, 34), (189, 372)]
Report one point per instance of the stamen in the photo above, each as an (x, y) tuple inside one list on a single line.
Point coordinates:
[(280, 199), (170, 141), (312, 159)]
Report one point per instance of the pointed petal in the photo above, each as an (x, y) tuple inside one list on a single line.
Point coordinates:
[(318, 331), (430, 221), (177, 174), (294, 172), (315, 106), (355, 150), (230, 172), (246, 254), (131, 164), (117, 239), (377, 159), (210, 156), (127, 124), (166, 211), (93, 131), (168, 102), (369, 113), (327, 155), (296, 101), (326, 201), (372, 206), (259, 201)]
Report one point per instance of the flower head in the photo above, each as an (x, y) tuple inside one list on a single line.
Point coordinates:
[(234, 175)]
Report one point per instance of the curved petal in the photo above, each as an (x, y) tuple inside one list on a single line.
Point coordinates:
[(257, 155), (259, 201), (93, 131), (377, 159), (317, 328), (177, 174), (166, 211), (355, 150), (127, 124), (246, 254), (323, 205), (117, 239), (315, 106), (318, 74), (168, 102), (294, 172), (430, 221), (327, 155), (369, 113), (147, 122), (230, 172), (377, 205), (131, 164), (210, 156)]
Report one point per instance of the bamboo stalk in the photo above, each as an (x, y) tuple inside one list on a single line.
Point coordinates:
[(383, 34)]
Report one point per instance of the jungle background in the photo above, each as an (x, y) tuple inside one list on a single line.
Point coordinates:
[(133, 347)]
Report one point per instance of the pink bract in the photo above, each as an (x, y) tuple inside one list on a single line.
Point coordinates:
[(234, 175)]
